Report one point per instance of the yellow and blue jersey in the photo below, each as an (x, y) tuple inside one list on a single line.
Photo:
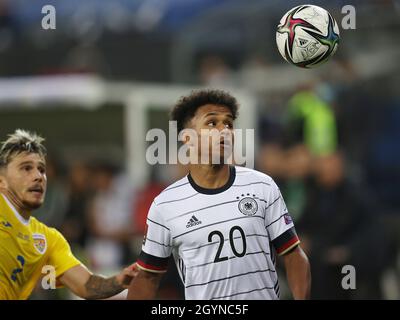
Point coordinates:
[(26, 246)]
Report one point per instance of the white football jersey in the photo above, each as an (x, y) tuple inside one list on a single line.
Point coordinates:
[(223, 240)]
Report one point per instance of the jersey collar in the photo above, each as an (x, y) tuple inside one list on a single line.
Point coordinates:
[(16, 213), (232, 176)]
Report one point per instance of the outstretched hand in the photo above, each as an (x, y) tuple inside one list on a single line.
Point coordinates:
[(125, 277)]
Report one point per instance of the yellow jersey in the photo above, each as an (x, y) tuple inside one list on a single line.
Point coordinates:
[(26, 246)]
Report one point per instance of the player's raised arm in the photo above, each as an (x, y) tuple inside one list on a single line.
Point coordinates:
[(298, 273)]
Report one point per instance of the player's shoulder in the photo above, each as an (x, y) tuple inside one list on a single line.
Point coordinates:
[(244, 174), (51, 233), (4, 206), (179, 187), (2, 200)]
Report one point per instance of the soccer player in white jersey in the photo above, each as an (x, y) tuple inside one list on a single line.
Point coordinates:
[(223, 224)]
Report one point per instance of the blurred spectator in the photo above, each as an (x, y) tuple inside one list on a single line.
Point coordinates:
[(85, 58), (161, 176), (54, 208), (215, 72), (75, 225), (307, 132), (340, 226), (109, 215), (7, 26), (338, 222)]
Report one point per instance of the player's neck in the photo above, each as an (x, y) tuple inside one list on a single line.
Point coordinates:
[(210, 177), (17, 204)]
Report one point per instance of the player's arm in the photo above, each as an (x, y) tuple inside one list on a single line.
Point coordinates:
[(280, 227), (90, 286), (144, 286), (298, 273), (153, 259), (150, 271)]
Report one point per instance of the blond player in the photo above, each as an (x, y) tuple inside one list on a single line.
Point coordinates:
[(27, 245)]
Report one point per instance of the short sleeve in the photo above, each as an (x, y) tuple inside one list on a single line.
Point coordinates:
[(61, 256), (157, 243), (279, 223)]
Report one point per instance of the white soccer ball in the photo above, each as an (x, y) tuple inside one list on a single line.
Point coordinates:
[(307, 36)]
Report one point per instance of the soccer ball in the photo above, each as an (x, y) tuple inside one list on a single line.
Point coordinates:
[(307, 36)]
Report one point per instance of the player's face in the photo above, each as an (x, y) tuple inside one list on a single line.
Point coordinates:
[(25, 177), (214, 127)]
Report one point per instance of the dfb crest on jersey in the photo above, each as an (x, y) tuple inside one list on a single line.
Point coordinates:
[(39, 242), (248, 206)]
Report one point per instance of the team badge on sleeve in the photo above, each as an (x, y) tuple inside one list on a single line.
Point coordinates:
[(39, 242), (288, 219)]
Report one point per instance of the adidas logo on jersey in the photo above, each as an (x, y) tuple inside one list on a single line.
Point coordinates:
[(193, 222)]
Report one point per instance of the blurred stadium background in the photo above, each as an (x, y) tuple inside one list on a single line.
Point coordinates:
[(112, 69)]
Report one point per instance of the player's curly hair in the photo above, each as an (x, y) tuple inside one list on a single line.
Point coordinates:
[(186, 107), (18, 142)]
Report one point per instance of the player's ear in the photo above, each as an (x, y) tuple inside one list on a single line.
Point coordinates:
[(3, 180)]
